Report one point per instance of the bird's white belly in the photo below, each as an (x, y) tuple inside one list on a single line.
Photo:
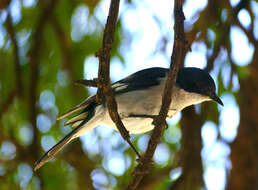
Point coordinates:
[(135, 125), (138, 125)]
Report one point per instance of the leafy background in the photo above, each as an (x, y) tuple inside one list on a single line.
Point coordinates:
[(46, 45)]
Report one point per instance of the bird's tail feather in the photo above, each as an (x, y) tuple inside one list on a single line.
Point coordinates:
[(54, 150), (83, 105), (80, 128), (60, 145), (79, 118)]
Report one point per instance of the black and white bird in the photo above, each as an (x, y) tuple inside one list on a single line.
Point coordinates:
[(138, 94)]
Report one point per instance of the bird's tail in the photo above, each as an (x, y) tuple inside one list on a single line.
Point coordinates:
[(81, 125), (54, 150)]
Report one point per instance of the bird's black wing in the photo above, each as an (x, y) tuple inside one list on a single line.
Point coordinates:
[(140, 80)]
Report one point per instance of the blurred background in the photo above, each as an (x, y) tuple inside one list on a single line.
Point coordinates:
[(46, 45)]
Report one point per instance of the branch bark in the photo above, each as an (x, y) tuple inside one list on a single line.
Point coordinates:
[(91, 83), (104, 86), (160, 121)]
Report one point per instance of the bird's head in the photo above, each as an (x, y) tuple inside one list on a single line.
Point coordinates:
[(198, 81)]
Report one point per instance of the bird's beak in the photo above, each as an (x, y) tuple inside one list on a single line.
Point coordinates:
[(216, 99)]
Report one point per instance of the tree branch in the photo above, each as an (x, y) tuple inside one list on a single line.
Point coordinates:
[(104, 86), (91, 83), (160, 121)]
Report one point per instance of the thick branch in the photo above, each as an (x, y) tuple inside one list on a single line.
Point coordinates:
[(105, 51), (160, 121), (104, 86)]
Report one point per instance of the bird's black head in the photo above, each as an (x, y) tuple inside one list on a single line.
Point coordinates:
[(197, 81)]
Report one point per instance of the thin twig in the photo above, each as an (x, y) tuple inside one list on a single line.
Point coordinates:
[(91, 83), (160, 121), (104, 86)]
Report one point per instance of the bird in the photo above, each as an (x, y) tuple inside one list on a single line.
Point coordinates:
[(138, 95)]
